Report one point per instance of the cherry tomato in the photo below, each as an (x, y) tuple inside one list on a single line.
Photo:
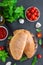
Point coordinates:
[(28, 15), (1, 48), (35, 18), (39, 56), (35, 14), (33, 8), (36, 10), (39, 35), (29, 9), (32, 11), (32, 17)]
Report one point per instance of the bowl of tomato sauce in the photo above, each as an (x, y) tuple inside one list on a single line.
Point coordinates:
[(3, 33), (32, 14)]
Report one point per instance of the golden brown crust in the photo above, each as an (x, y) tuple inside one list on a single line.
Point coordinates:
[(17, 45), (30, 44)]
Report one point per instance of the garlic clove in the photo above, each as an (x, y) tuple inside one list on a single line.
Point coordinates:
[(38, 25), (8, 63), (21, 21)]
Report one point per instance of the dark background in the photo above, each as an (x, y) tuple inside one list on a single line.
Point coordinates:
[(27, 25)]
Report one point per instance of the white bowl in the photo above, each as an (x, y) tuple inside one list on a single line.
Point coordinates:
[(6, 31), (29, 19)]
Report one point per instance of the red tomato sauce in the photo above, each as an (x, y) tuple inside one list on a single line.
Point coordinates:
[(3, 33)]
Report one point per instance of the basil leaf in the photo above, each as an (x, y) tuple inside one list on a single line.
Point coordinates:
[(9, 37), (40, 41), (23, 58), (0, 54), (15, 64), (19, 9), (38, 30), (3, 59), (10, 11), (3, 55), (34, 60), (3, 4)]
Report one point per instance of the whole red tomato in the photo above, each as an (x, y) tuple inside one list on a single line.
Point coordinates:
[(1, 47), (39, 56)]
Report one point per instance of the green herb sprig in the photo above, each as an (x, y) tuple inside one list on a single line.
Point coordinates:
[(34, 60), (40, 41), (15, 64), (3, 55), (10, 11), (38, 30), (10, 37), (23, 59)]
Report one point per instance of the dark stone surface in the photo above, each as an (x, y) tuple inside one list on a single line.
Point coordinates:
[(27, 25)]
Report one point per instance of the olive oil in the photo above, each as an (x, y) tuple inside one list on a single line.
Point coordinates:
[(2, 20)]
